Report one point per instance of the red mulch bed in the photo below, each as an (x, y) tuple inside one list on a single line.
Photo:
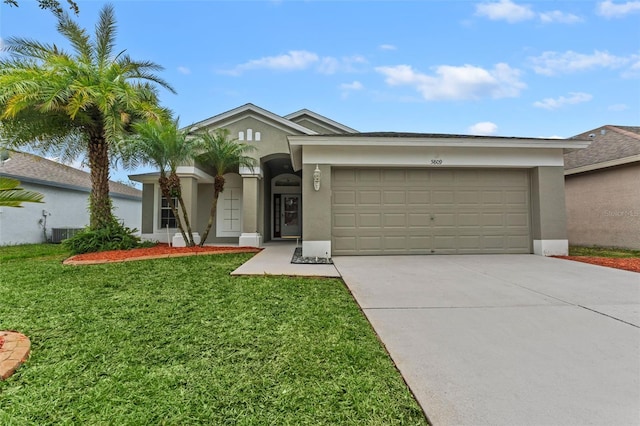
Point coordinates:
[(1, 341), (627, 263), (159, 250)]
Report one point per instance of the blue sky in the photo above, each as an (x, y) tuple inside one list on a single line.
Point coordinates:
[(505, 68)]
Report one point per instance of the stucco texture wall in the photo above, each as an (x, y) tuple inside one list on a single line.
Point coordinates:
[(603, 207)]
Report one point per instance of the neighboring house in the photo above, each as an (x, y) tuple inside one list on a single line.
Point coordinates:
[(350, 193), (602, 186), (66, 200)]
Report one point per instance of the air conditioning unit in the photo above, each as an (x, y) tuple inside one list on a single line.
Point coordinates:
[(59, 234)]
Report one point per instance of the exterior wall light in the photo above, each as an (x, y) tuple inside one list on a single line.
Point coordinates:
[(317, 174)]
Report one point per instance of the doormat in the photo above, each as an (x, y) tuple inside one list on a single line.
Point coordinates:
[(297, 258)]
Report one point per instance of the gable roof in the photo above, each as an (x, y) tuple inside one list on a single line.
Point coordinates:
[(610, 146), (253, 110), (34, 169), (320, 120)]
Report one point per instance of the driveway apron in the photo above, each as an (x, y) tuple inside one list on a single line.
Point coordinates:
[(507, 339)]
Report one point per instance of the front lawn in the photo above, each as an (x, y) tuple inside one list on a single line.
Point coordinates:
[(178, 341)]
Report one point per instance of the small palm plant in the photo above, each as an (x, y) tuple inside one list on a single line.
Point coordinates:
[(11, 195), (224, 155), (160, 143)]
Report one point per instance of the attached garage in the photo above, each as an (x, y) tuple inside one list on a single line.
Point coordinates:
[(430, 211), (408, 193)]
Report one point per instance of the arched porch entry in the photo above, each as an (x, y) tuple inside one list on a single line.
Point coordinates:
[(283, 198)]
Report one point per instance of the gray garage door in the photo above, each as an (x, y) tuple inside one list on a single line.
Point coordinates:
[(430, 211)]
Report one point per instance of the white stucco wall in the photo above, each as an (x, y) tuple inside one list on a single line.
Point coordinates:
[(67, 208)]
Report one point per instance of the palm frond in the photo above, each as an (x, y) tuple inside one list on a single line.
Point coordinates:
[(11, 195), (105, 35)]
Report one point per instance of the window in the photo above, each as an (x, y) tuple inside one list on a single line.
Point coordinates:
[(167, 219)]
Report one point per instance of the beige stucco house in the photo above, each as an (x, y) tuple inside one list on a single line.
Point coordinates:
[(349, 193), (602, 185)]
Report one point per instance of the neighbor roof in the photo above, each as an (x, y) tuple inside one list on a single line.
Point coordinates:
[(34, 169), (610, 146)]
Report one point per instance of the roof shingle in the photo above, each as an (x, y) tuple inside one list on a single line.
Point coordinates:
[(32, 168), (608, 143)]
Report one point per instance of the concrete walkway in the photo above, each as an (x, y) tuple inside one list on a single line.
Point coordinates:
[(275, 259), (507, 339)]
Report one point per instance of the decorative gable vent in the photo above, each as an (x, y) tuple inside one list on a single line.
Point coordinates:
[(250, 135)]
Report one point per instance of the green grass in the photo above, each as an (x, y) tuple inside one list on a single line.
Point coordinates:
[(178, 341), (602, 252)]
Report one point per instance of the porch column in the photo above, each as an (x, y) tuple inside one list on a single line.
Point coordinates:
[(250, 236)]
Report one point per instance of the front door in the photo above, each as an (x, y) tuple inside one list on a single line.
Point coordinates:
[(290, 215)]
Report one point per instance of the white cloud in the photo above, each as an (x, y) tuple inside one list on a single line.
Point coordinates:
[(484, 128), (184, 70), (505, 10), (618, 107), (2, 45), (356, 85), (457, 82), (634, 70), (552, 63), (298, 60), (331, 65), (609, 9), (574, 98), (348, 88), (294, 60), (387, 47), (556, 16)]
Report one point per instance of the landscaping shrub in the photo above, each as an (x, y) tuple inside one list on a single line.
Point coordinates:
[(113, 237)]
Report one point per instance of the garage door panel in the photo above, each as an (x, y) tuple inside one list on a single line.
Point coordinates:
[(344, 177), (369, 198), (369, 176), (389, 211), (519, 198), (520, 220), (492, 198), (344, 244), (419, 198), (344, 198), (344, 220), (395, 197), (373, 243), (442, 197), (395, 220), (419, 220), (370, 220)]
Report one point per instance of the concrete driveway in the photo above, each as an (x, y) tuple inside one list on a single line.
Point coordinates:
[(507, 339)]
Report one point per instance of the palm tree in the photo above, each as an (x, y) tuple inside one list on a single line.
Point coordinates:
[(11, 195), (79, 102), (161, 144), (224, 155)]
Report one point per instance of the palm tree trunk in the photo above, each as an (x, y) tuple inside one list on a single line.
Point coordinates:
[(100, 207), (175, 183), (187, 224), (218, 187)]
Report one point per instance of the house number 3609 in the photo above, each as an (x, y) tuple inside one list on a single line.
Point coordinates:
[(436, 162)]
